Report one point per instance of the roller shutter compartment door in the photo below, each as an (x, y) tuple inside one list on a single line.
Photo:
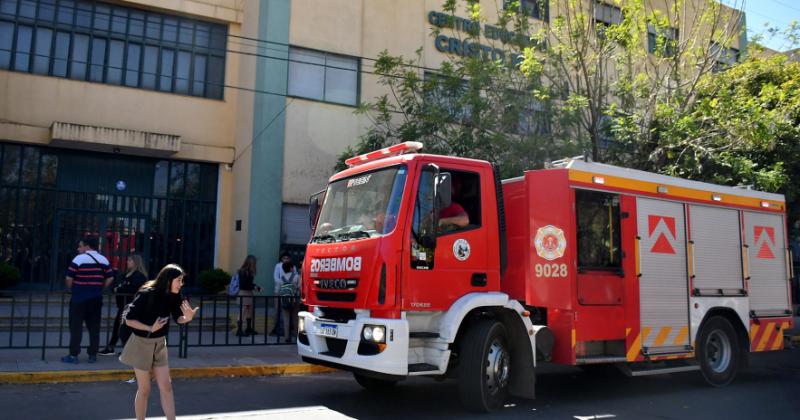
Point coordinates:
[(663, 284), (766, 252), (716, 235)]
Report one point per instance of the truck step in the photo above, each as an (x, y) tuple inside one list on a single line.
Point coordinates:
[(659, 371), (591, 360), (422, 334), (421, 367)]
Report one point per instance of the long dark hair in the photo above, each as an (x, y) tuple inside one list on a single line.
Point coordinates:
[(163, 281), (249, 265)]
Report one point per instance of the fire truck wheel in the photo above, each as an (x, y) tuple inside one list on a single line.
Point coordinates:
[(718, 351), (484, 367), (373, 384)]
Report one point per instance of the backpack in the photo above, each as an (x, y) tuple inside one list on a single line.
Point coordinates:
[(233, 288), (124, 330), (288, 292)]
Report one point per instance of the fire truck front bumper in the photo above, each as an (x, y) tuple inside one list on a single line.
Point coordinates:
[(383, 350)]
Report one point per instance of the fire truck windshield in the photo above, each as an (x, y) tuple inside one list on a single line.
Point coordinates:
[(362, 206)]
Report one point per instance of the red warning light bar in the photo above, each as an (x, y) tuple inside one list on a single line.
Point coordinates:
[(397, 149)]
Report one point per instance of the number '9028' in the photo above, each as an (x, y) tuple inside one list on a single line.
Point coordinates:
[(551, 270)]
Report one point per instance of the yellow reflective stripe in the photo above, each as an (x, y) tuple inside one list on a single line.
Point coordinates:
[(662, 336), (753, 331), (680, 339), (765, 337)]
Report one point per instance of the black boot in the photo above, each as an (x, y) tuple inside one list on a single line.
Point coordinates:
[(239, 332), (250, 330)]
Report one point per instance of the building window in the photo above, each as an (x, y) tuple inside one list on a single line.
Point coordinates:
[(323, 76), (537, 9), (725, 56), (598, 218), (662, 42), (525, 117), (605, 15), (446, 95), (104, 43)]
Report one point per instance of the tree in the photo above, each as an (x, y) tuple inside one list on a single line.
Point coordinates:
[(586, 81), (744, 129)]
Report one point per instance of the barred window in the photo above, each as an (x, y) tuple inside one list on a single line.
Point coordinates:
[(105, 43)]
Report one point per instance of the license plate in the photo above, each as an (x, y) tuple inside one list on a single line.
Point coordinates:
[(328, 330)]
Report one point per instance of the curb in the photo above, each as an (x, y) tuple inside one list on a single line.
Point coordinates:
[(125, 374)]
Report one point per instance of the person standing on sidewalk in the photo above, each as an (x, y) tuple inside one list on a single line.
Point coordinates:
[(287, 289), (87, 275), (247, 285), (277, 331), (132, 280), (148, 316)]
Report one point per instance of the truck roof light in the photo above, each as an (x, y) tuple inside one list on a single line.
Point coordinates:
[(397, 149), (716, 197), (598, 180), (765, 204)]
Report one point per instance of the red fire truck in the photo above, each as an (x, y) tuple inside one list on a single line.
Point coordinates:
[(425, 265)]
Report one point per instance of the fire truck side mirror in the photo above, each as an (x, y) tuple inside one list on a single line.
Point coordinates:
[(429, 206), (314, 205), (444, 190)]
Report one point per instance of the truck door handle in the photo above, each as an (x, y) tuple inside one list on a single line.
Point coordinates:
[(478, 280)]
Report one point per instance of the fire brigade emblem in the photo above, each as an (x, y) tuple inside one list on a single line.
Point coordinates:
[(550, 242), (461, 249)]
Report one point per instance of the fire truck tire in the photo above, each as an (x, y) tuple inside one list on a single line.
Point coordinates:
[(484, 367), (373, 384), (718, 351)]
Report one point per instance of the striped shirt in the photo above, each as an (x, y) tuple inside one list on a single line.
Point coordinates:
[(88, 276)]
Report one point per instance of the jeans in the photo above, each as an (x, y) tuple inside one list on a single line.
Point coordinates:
[(88, 312)]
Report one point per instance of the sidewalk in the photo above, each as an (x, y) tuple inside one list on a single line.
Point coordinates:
[(25, 366)]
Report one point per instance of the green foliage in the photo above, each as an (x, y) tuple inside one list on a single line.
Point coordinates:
[(214, 281), (9, 276)]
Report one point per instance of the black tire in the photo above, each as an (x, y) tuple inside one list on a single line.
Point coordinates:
[(718, 351), (373, 384), (484, 366)]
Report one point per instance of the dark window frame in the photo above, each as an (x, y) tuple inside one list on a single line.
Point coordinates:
[(216, 38), (532, 11)]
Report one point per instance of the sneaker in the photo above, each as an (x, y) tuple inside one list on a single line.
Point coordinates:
[(93, 359), (108, 351), (70, 359)]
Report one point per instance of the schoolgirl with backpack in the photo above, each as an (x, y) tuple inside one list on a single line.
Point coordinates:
[(287, 288)]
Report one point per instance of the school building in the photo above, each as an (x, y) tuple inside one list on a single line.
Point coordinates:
[(193, 131)]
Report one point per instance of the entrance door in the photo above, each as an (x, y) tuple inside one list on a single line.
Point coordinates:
[(118, 235), (663, 285)]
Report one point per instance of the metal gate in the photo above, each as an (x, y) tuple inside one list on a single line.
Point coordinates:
[(766, 255), (663, 284)]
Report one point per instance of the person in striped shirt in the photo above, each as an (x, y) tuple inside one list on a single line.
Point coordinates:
[(87, 276)]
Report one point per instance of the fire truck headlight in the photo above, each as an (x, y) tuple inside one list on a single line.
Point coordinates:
[(374, 333), (301, 325)]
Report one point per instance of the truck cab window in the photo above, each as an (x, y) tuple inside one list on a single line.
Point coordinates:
[(464, 211), (598, 230), (422, 256)]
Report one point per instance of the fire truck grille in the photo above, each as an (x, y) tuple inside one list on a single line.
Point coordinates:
[(336, 347), (336, 297), (341, 315)]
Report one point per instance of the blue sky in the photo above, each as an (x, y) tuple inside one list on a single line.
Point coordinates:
[(779, 13)]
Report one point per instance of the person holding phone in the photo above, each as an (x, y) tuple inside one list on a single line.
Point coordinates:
[(148, 317)]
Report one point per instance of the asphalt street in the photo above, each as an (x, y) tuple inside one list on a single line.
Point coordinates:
[(770, 389)]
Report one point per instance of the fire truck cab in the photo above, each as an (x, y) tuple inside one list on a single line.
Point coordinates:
[(425, 265)]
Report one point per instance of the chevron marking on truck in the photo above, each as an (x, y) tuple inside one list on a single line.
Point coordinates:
[(766, 337)]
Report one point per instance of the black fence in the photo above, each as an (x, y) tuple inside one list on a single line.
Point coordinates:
[(31, 320)]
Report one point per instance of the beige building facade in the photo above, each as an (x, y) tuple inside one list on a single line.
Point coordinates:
[(194, 131)]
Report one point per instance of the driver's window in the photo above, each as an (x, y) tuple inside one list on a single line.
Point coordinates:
[(464, 211)]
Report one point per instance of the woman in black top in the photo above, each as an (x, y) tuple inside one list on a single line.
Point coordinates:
[(148, 316), (247, 285), (133, 279)]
